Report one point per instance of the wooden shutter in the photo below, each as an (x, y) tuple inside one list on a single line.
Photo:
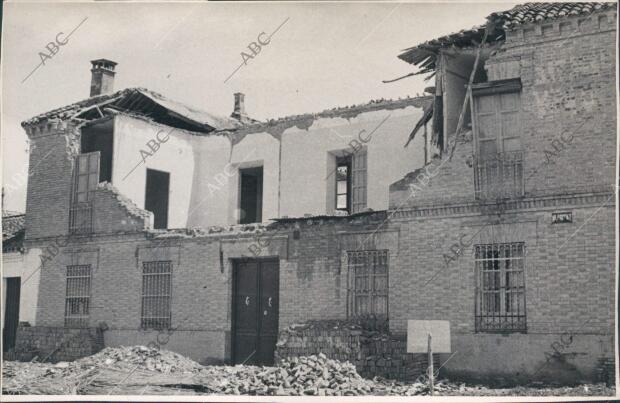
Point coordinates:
[(497, 123), (87, 176), (359, 181)]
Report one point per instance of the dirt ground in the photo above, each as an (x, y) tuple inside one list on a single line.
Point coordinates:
[(141, 370)]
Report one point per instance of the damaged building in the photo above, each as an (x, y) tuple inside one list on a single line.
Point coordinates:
[(226, 232), (148, 214)]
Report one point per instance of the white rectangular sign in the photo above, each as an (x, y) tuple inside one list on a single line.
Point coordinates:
[(417, 336)]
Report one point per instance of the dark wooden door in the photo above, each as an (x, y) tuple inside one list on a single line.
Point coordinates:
[(255, 307), (11, 312)]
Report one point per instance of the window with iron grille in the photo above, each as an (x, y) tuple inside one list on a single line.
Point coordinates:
[(156, 294), (77, 300), (500, 288), (368, 283)]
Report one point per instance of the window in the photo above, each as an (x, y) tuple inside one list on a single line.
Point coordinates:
[(497, 128), (99, 137), (343, 183), (251, 197), (368, 283), (156, 198), (500, 288), (85, 181), (156, 294), (350, 183), (77, 300)]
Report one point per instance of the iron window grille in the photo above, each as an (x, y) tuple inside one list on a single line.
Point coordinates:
[(367, 279), (77, 300), (156, 295), (500, 288)]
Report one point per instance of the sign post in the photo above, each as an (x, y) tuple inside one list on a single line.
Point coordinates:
[(420, 335), (431, 373)]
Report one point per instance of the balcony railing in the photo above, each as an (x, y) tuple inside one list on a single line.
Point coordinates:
[(81, 219), (499, 176)]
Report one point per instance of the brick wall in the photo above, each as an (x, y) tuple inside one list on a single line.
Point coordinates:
[(372, 353), (565, 68), (53, 344), (312, 277), (52, 149)]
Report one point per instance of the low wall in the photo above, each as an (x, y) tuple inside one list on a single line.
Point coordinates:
[(53, 344), (521, 359), (372, 353)]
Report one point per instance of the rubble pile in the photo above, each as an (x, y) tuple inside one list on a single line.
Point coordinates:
[(314, 375), (140, 370), (146, 358)]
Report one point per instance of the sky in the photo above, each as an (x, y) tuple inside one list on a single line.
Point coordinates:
[(322, 56)]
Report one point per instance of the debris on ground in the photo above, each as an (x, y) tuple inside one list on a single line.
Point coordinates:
[(140, 370)]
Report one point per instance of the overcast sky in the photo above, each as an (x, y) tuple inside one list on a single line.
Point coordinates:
[(325, 55)]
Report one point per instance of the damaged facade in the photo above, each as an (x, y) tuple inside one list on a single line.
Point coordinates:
[(230, 230), (20, 281), (510, 234), (154, 206)]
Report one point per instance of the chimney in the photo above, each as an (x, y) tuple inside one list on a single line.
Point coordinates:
[(102, 81), (239, 111)]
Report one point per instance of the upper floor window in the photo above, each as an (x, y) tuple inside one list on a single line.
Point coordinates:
[(100, 137), (156, 196), (351, 173), (85, 180), (251, 195), (343, 183), (497, 132)]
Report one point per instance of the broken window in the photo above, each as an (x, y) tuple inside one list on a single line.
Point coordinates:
[(343, 183), (497, 130), (500, 288), (77, 299), (99, 137), (156, 198), (85, 180), (251, 197), (368, 284), (156, 294)]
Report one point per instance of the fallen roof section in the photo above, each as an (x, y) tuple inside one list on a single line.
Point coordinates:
[(144, 102), (304, 121), (424, 55), (13, 226)]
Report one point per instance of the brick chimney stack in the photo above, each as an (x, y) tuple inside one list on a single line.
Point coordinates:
[(239, 111), (102, 80)]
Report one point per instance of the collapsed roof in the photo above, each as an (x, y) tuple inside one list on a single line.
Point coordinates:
[(424, 55), (13, 229), (144, 102)]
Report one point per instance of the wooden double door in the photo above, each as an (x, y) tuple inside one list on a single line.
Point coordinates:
[(255, 311)]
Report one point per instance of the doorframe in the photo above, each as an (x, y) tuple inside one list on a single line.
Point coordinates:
[(8, 304), (233, 322)]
